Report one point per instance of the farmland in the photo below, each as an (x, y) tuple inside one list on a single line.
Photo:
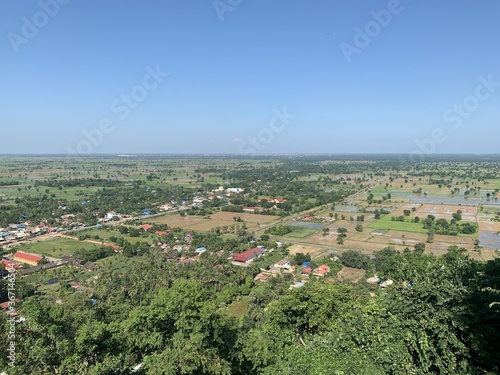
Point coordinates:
[(349, 189), (136, 225)]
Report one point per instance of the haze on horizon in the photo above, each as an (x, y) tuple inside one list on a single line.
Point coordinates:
[(247, 77)]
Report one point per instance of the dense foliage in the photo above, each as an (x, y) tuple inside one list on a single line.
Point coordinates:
[(437, 318)]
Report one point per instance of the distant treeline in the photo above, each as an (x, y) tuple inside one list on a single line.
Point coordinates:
[(83, 182), (9, 183)]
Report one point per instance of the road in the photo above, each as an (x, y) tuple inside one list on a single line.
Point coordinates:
[(51, 236)]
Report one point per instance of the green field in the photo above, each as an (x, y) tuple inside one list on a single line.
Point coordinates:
[(69, 193), (301, 232), (386, 223), (55, 248)]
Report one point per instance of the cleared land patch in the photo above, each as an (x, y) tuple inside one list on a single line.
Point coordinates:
[(351, 274), (314, 251), (55, 248)]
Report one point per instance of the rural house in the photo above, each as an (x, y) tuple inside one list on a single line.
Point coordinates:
[(248, 255), (31, 259)]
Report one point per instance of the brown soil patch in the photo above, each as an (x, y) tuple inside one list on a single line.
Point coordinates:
[(177, 220), (488, 226), (351, 274), (369, 247), (312, 250), (249, 218)]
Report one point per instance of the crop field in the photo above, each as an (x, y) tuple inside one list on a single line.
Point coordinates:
[(469, 213), (490, 239), (249, 218), (488, 225), (394, 192), (219, 219), (307, 224), (385, 223), (391, 237), (447, 200), (369, 247)]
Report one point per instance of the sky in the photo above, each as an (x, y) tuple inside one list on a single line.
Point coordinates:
[(249, 77)]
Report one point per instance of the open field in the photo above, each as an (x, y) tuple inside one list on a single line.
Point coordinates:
[(426, 192), (469, 213), (391, 237), (300, 232), (368, 247), (247, 217), (315, 252), (105, 234), (54, 248), (488, 225), (351, 274), (219, 219), (385, 223)]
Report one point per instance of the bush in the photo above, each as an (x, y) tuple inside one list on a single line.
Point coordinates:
[(279, 230), (355, 259)]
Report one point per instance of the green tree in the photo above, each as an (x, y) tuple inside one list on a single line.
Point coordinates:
[(354, 259)]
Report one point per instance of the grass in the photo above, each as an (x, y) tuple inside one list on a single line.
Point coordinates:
[(69, 193), (105, 234), (301, 232), (120, 263), (386, 223), (238, 308), (55, 248), (493, 184)]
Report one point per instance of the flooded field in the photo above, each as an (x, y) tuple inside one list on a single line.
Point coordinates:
[(307, 225), (490, 239)]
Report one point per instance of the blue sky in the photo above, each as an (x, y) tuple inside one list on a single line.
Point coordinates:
[(232, 69)]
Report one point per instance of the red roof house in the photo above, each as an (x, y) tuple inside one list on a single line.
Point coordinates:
[(31, 259), (8, 264), (146, 227), (307, 271), (320, 272), (248, 255)]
